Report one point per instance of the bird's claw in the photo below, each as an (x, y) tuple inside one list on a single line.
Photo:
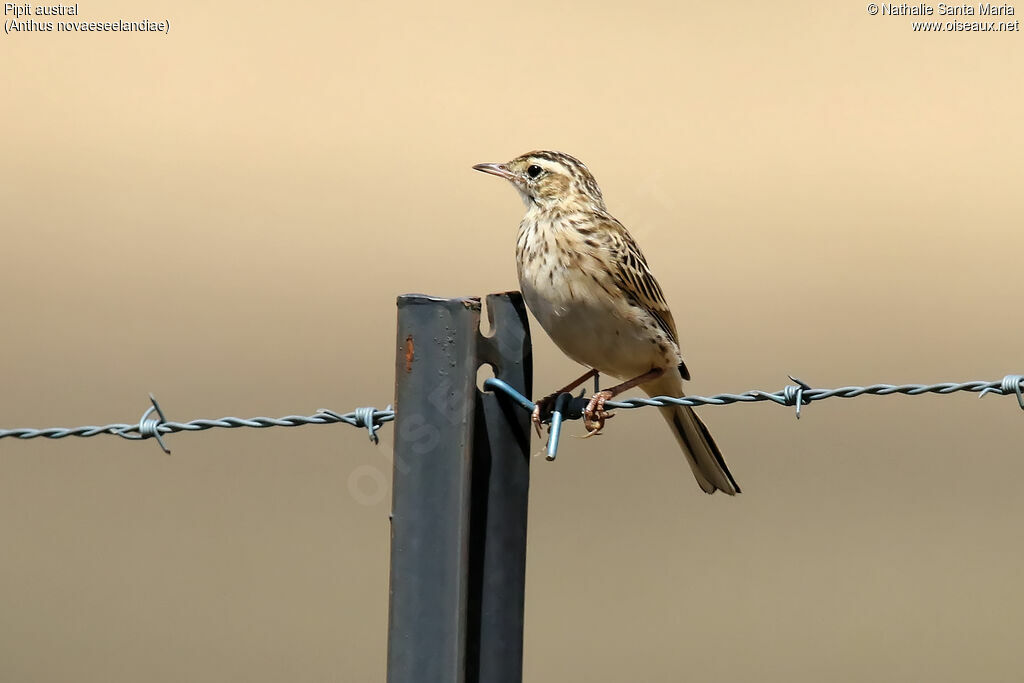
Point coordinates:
[(535, 418), (541, 407), (594, 415)]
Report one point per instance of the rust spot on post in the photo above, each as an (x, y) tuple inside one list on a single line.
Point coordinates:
[(409, 353)]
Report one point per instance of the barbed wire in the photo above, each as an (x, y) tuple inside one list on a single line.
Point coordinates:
[(565, 407), (369, 418), (568, 407)]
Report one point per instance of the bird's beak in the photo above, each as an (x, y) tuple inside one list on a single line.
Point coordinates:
[(496, 169)]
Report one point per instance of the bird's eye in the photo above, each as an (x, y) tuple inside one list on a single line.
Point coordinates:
[(533, 171)]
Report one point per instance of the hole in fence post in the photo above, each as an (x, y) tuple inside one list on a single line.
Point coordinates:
[(484, 372)]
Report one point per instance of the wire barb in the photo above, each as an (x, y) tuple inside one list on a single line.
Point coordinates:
[(147, 427), (367, 416), (1011, 384), (794, 395)]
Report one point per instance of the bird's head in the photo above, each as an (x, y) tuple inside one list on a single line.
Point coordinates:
[(549, 180)]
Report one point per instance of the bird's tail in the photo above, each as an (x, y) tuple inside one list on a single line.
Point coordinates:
[(700, 449)]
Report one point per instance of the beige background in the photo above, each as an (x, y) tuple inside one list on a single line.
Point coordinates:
[(224, 216)]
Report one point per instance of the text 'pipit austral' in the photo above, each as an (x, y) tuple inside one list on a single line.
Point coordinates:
[(587, 283)]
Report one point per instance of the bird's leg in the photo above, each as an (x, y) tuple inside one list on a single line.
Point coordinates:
[(594, 414), (542, 405)]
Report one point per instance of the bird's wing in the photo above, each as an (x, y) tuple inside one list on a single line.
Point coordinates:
[(633, 276)]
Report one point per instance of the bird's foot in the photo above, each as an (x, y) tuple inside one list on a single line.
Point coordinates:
[(541, 409), (594, 414)]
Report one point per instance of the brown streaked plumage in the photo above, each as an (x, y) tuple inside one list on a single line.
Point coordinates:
[(588, 284)]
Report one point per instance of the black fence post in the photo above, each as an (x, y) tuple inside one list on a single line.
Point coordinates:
[(459, 498), (501, 484)]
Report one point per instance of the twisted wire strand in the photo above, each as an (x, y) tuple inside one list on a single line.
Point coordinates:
[(792, 395), (788, 397), (133, 431), (372, 419), (567, 407)]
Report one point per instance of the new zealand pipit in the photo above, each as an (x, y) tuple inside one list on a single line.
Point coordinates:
[(589, 286)]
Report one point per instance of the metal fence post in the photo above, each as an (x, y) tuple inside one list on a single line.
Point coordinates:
[(501, 484), (461, 477)]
